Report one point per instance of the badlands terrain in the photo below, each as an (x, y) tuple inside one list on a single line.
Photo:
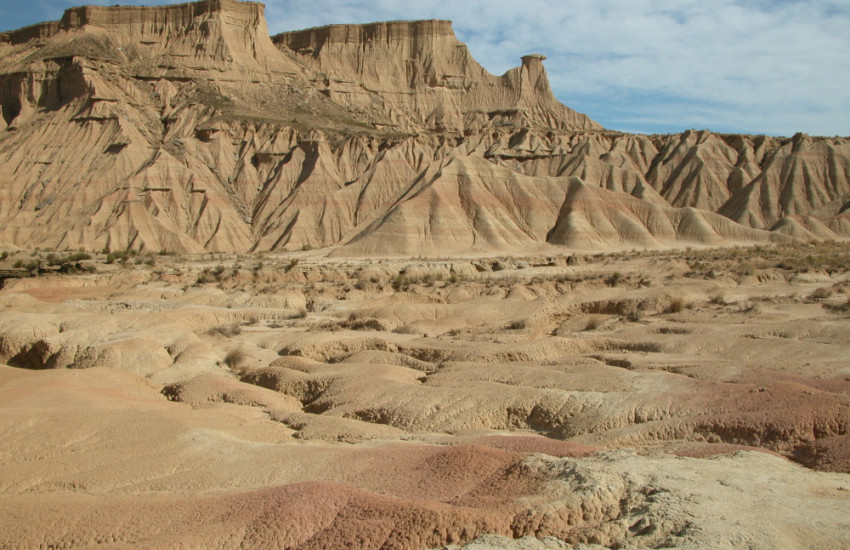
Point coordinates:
[(344, 288), (687, 399)]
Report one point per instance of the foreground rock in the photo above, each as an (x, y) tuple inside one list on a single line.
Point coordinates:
[(683, 399)]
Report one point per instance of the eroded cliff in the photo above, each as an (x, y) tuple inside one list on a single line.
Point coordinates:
[(187, 128)]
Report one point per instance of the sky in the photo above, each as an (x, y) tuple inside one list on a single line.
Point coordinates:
[(650, 66)]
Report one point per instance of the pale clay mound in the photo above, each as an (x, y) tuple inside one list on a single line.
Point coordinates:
[(187, 128), (667, 399)]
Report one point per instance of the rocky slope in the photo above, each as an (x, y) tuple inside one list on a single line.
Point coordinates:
[(188, 128)]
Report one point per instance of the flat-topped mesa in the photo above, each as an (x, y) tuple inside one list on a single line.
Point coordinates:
[(222, 40), (137, 19), (387, 56), (196, 35), (38, 31), (146, 18), (391, 32), (421, 69)]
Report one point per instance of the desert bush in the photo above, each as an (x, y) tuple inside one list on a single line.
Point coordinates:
[(211, 275), (4, 255), (225, 330), (634, 315), (400, 283), (821, 293), (718, 298), (55, 260), (148, 259), (593, 323), (519, 324), (614, 279), (677, 305), (299, 313), (29, 265), (236, 358)]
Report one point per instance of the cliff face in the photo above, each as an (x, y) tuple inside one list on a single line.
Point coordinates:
[(188, 128), (421, 75)]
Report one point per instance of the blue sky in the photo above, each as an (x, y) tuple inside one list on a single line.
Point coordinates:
[(756, 66)]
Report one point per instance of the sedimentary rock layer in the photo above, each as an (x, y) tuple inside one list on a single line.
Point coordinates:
[(187, 128)]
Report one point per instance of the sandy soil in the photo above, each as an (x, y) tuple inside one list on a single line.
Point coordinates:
[(688, 399)]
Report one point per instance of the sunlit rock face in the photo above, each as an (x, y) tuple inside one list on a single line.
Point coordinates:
[(187, 128)]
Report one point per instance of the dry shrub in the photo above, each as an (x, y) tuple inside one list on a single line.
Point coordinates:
[(299, 313), (519, 324), (718, 298), (593, 323), (634, 315), (677, 305), (405, 329), (821, 293), (225, 330), (236, 358)]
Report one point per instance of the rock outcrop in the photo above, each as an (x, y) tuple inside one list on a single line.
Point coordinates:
[(188, 128)]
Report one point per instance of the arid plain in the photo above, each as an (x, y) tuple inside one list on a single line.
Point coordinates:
[(686, 398)]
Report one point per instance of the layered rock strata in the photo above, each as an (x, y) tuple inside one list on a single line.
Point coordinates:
[(187, 128)]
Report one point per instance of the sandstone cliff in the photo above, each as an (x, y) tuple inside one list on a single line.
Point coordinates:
[(187, 128)]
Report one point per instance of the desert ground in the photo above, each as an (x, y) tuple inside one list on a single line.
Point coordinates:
[(686, 398)]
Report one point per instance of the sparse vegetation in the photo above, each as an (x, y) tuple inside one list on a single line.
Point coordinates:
[(236, 359), (718, 298), (821, 293), (300, 313), (56, 260), (226, 330), (615, 279), (400, 283), (677, 305), (29, 265), (406, 329), (519, 324)]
